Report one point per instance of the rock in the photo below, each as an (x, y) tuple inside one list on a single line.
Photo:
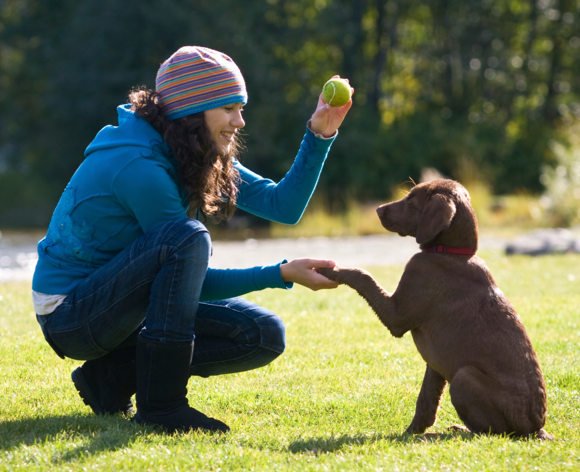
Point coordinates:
[(545, 241)]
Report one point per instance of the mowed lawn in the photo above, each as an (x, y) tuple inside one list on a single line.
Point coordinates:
[(339, 398)]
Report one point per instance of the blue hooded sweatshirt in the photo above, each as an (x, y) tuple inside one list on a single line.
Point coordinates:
[(128, 184)]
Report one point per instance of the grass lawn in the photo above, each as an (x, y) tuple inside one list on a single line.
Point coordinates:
[(338, 399)]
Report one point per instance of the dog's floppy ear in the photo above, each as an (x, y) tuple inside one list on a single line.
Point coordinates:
[(436, 217)]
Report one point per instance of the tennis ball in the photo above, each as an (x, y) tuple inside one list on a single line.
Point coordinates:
[(336, 92)]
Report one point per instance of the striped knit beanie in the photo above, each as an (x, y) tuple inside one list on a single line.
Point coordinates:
[(196, 79)]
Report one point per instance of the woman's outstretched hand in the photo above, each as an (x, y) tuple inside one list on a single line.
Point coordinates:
[(326, 119), (303, 272)]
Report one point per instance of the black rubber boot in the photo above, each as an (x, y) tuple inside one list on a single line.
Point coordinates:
[(107, 384), (162, 375)]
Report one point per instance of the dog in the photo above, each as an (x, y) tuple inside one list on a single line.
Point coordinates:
[(462, 324)]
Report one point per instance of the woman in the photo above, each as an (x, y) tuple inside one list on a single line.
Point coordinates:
[(122, 279)]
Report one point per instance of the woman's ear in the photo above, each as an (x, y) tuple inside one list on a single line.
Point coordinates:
[(437, 216)]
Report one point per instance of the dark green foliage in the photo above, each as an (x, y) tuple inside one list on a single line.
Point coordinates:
[(437, 82)]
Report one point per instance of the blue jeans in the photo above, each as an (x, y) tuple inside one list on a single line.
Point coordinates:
[(153, 287)]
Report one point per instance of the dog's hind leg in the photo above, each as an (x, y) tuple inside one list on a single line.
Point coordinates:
[(486, 407), (427, 402), (477, 402)]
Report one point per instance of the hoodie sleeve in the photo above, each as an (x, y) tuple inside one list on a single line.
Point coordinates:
[(148, 193), (227, 283), (285, 201)]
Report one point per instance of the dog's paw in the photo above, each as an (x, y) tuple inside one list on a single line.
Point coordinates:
[(542, 435), (458, 427), (414, 429), (351, 276), (332, 274)]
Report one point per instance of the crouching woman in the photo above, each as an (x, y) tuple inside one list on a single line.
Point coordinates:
[(123, 279)]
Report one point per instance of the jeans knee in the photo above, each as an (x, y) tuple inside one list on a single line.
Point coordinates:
[(184, 229), (272, 342), (273, 333), (185, 235), (262, 357)]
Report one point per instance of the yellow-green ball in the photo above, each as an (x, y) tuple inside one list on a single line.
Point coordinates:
[(336, 92)]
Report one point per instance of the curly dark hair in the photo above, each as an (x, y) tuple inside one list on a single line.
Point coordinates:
[(209, 178)]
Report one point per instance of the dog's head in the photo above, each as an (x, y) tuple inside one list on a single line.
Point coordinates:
[(436, 212)]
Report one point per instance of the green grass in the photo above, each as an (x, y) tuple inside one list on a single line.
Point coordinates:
[(338, 399)]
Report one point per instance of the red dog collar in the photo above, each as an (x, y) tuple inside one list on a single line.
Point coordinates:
[(441, 248)]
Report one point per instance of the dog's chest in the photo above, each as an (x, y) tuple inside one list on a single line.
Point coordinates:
[(435, 352)]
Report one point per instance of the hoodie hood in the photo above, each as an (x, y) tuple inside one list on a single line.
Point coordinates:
[(132, 131)]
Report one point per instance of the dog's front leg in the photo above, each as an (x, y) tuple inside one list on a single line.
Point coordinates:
[(377, 297), (428, 402)]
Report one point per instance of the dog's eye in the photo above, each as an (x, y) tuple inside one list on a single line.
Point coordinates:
[(412, 201)]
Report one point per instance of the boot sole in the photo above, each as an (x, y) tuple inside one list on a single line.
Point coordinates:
[(219, 427), (85, 392)]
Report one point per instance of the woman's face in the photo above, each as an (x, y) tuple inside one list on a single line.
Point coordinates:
[(223, 123)]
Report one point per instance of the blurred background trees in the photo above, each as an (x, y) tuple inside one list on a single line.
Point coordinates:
[(463, 86)]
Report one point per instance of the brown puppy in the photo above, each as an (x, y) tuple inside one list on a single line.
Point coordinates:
[(464, 327)]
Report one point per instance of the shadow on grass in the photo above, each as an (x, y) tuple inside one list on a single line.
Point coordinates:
[(72, 437), (332, 444)]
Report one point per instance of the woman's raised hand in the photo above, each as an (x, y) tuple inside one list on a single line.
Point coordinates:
[(303, 272), (326, 119)]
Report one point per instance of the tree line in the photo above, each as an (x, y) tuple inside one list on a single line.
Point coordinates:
[(459, 85)]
